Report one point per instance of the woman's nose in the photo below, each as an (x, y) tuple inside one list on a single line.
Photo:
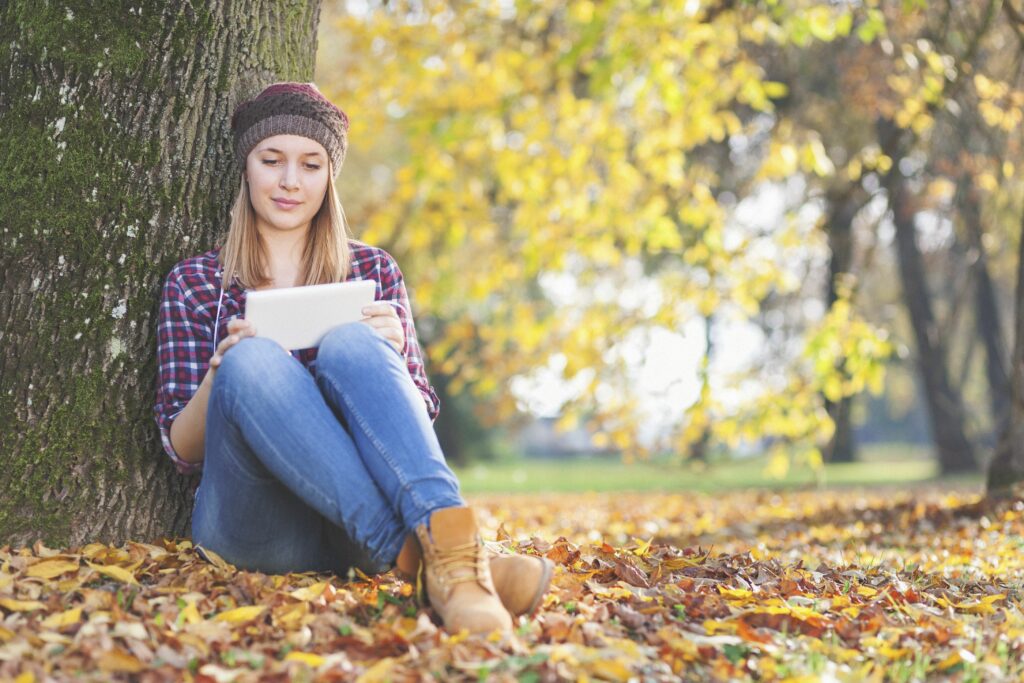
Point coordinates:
[(290, 176)]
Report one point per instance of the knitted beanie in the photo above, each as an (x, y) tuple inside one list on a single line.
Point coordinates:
[(290, 109)]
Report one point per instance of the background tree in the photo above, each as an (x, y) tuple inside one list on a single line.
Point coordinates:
[(554, 184), (114, 144), (1001, 104)]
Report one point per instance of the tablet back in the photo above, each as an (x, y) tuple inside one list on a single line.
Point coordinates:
[(299, 317)]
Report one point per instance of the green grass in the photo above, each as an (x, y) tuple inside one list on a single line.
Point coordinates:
[(882, 466)]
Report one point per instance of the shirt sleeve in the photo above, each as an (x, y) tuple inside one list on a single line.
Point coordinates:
[(393, 289), (184, 348)]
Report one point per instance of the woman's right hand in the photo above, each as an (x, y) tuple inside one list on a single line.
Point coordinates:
[(238, 329)]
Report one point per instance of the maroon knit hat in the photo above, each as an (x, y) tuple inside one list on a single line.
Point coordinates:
[(290, 109)]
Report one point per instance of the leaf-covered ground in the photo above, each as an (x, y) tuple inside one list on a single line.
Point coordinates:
[(847, 586)]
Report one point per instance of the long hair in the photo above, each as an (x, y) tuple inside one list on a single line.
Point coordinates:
[(326, 257)]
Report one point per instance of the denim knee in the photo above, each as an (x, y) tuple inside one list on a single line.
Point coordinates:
[(252, 365), (350, 348)]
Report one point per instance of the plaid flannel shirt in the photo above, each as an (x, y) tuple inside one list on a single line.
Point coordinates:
[(185, 332)]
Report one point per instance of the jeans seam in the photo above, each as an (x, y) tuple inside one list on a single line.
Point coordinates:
[(235, 409), (377, 444), (233, 424)]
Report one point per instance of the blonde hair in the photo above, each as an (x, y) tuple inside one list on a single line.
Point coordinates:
[(326, 257)]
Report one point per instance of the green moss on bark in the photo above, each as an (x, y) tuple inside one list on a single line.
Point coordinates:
[(86, 165)]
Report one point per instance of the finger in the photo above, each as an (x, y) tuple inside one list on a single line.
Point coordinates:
[(380, 308), (227, 343), (241, 326), (395, 337)]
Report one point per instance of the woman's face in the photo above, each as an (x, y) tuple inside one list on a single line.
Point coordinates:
[(287, 177)]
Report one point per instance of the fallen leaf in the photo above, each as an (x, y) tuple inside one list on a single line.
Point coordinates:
[(241, 615), (12, 605), (379, 672), (309, 659), (62, 619), (117, 660), (52, 568), (114, 572)]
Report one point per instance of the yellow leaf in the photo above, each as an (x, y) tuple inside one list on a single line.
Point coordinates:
[(241, 615), (894, 652), (114, 572), (52, 568), (866, 591), (191, 613), (309, 592), (27, 677), (12, 605), (379, 672), (93, 550), (119, 661), (5, 634), (741, 594), (950, 661), (66, 618), (711, 627), (307, 658), (290, 616), (611, 670), (643, 547), (983, 606), (215, 559)]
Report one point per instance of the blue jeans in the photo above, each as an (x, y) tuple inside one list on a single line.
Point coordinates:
[(320, 474)]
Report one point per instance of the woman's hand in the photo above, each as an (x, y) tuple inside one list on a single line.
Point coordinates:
[(382, 317), (238, 329)]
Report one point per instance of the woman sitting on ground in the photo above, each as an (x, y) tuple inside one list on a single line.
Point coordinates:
[(316, 459)]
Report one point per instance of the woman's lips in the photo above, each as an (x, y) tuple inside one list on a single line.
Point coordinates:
[(284, 204)]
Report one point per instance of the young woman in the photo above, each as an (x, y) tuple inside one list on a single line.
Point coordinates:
[(316, 459)]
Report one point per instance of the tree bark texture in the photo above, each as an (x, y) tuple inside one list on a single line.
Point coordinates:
[(844, 204), (945, 407), (1006, 469), (116, 160)]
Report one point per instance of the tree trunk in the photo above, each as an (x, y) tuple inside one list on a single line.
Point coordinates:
[(843, 208), (944, 405), (1007, 466), (116, 163), (987, 319)]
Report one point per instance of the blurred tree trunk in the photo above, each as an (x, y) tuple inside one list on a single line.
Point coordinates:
[(116, 163), (843, 205), (987, 318), (1007, 466), (945, 407), (699, 452)]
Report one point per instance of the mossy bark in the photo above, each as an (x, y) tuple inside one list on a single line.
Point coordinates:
[(115, 162)]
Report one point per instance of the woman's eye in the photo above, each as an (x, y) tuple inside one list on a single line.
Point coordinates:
[(313, 167), (269, 162)]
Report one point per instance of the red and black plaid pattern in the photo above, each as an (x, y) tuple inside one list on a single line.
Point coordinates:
[(185, 332)]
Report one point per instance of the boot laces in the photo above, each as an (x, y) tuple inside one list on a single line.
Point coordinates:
[(461, 557)]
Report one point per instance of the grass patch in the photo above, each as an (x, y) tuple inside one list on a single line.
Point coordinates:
[(886, 465)]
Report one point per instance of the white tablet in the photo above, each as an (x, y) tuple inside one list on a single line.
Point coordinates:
[(299, 317)]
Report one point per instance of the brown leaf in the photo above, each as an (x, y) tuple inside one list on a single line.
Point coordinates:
[(630, 574)]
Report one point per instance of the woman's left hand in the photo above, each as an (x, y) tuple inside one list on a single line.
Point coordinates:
[(382, 317)]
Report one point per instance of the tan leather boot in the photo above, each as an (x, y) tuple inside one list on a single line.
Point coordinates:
[(521, 580), (457, 574)]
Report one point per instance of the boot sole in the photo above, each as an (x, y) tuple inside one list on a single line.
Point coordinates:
[(547, 573)]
